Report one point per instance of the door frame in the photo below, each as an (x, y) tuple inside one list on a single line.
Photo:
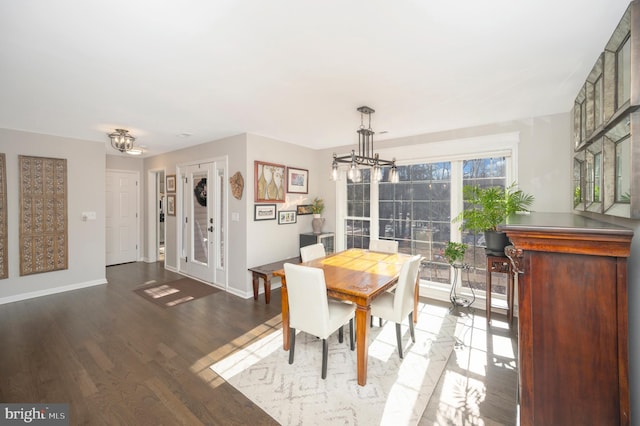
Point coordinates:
[(224, 223), (138, 213), (153, 225)]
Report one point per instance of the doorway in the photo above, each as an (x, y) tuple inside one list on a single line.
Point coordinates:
[(122, 221), (204, 221)]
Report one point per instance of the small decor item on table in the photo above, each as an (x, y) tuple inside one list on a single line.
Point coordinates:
[(317, 207)]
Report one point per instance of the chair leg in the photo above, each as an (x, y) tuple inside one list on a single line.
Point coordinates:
[(292, 344), (371, 322), (399, 338), (380, 322), (413, 333), (325, 354), (351, 332), (340, 335)]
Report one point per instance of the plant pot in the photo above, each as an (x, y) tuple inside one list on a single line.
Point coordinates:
[(317, 223), (495, 243)]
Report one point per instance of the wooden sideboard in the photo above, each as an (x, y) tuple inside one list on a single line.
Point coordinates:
[(572, 325)]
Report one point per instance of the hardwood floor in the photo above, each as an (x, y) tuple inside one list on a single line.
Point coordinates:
[(119, 359)]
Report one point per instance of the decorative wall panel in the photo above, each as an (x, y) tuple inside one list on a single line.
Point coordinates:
[(43, 214), (4, 268)]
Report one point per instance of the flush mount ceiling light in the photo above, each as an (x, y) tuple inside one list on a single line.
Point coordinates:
[(366, 157), (122, 140)]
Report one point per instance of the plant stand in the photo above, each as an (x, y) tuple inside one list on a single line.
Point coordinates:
[(455, 296)]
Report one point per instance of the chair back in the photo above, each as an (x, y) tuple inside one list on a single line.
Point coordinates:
[(314, 251), (308, 303), (403, 301), (383, 246)]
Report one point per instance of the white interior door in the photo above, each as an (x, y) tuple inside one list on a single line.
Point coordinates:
[(203, 222), (121, 217)]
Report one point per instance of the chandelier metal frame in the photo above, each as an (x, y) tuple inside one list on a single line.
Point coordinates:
[(365, 155), (121, 140)]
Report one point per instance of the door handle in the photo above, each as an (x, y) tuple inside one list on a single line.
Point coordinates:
[(210, 229)]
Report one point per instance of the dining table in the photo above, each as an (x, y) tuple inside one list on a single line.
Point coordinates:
[(357, 276)]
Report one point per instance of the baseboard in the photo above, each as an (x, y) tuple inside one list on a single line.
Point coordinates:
[(50, 291)]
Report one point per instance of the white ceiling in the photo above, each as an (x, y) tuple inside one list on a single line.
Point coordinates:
[(293, 70)]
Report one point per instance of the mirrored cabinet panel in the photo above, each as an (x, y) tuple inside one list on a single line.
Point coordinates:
[(606, 128)]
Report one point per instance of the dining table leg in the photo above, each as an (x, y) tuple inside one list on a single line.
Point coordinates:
[(363, 314), (285, 315)]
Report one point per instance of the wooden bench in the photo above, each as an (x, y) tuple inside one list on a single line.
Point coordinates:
[(266, 273)]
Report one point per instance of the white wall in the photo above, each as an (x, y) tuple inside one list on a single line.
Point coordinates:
[(85, 192), (122, 162), (266, 240)]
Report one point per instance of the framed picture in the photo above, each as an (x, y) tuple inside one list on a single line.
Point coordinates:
[(171, 183), (286, 217), (305, 209), (264, 212), (270, 182), (297, 180), (171, 204)]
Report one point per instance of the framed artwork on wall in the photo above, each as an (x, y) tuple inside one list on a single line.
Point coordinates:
[(270, 182), (171, 183), (297, 180), (303, 209), (171, 204), (264, 212), (286, 216)]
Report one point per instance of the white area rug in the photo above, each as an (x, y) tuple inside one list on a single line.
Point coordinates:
[(396, 393)]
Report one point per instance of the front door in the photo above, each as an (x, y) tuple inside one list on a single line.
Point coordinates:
[(203, 222)]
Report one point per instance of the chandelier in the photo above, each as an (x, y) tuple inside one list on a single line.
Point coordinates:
[(122, 140), (365, 156)]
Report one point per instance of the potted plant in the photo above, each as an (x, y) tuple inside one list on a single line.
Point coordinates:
[(487, 208), (454, 252), (317, 207)]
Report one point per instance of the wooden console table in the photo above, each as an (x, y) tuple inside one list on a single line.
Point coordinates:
[(266, 273), (500, 264)]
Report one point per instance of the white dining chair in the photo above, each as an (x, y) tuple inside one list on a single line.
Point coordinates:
[(399, 305), (311, 311), (383, 246), (314, 251)]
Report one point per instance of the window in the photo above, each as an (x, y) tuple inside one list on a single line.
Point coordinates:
[(358, 212), (417, 213)]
